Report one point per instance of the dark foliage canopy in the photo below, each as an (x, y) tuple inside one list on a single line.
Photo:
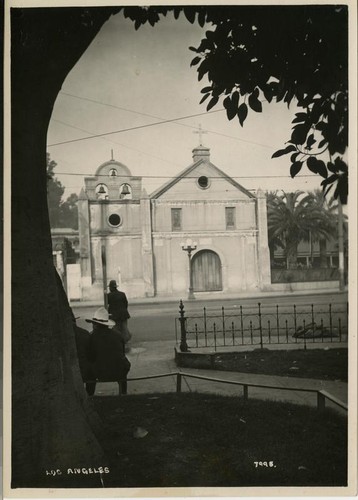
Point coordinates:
[(291, 53)]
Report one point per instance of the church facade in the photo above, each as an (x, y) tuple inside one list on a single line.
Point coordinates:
[(138, 239)]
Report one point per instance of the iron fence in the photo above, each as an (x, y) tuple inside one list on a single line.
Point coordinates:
[(260, 325)]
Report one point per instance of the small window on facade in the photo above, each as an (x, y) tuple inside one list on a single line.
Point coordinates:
[(114, 220), (230, 217), (203, 181), (176, 219)]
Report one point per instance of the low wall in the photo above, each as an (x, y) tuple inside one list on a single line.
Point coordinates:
[(206, 361), (195, 360), (304, 275), (308, 285)]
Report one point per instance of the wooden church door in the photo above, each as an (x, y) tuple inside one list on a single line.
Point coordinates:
[(206, 269)]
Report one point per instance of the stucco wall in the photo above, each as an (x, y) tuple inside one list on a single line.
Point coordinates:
[(187, 188), (202, 215), (237, 253), (124, 262), (128, 211)]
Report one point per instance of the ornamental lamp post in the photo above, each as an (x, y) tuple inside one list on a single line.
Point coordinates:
[(189, 246)]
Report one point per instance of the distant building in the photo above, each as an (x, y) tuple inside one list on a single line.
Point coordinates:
[(139, 237)]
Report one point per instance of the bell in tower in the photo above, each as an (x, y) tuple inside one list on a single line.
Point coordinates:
[(125, 191)]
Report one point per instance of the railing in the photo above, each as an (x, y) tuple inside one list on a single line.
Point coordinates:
[(260, 325), (321, 395)]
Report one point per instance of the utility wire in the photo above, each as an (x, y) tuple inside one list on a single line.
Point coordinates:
[(119, 144), (187, 176), (133, 128), (160, 118)]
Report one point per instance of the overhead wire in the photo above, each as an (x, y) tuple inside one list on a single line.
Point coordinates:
[(132, 128), (187, 176), (118, 144), (160, 118)]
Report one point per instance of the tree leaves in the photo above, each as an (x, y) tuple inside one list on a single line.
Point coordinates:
[(281, 152), (190, 14), (301, 58), (204, 98), (254, 102), (195, 61), (310, 141), (299, 118), (212, 103), (295, 168), (299, 134), (231, 105), (242, 113), (231, 110), (317, 166)]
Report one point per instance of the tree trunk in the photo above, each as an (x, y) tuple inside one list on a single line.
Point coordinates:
[(292, 258), (51, 420), (323, 259)]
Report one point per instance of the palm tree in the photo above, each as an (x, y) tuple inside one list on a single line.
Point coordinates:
[(292, 217), (274, 241), (325, 227)]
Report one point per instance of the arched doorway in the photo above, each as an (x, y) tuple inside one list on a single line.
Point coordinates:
[(206, 269)]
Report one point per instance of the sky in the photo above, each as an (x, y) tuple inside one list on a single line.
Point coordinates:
[(131, 79)]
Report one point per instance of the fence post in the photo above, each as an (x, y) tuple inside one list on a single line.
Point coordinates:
[(178, 382), (242, 326), (252, 341), (321, 401), (269, 330), (205, 331), (313, 323), (246, 392), (304, 334), (223, 320), (196, 335), (233, 332), (295, 319), (215, 336), (260, 326), (277, 325), (330, 320), (183, 343)]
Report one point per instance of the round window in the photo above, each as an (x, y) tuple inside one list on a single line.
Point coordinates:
[(203, 181), (114, 220)]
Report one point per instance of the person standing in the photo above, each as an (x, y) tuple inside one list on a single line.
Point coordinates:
[(106, 351), (118, 310)]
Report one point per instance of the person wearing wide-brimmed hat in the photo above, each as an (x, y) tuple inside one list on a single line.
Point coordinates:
[(106, 350), (118, 309)]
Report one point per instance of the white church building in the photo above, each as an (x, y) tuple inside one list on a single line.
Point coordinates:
[(137, 239)]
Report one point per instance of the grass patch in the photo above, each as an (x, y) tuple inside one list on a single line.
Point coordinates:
[(320, 364), (213, 441)]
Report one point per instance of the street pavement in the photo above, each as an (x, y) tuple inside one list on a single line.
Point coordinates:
[(152, 354), (158, 358), (157, 318)]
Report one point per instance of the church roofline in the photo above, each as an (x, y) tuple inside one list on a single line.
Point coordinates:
[(114, 163), (165, 187)]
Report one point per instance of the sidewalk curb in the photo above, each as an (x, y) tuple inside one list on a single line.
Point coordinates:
[(175, 300)]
